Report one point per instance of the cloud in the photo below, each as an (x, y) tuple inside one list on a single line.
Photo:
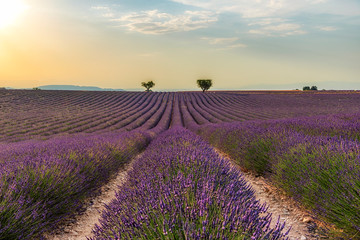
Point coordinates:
[(266, 21), (238, 45), (100, 8), (283, 29), (105, 11), (277, 8), (254, 8), (327, 28), (156, 22), (215, 41), (225, 43)]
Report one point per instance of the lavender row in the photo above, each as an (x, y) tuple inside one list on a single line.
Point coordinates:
[(320, 171), (42, 114), (42, 183), (181, 189)]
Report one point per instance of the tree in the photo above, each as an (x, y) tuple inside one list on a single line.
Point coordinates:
[(204, 84), (306, 88), (314, 88), (148, 85)]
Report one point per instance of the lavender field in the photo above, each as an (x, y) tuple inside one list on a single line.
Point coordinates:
[(58, 147), (40, 114)]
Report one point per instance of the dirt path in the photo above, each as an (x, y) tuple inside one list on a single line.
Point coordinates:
[(81, 227), (303, 226)]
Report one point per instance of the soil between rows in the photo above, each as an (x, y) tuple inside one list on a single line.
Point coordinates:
[(81, 227), (303, 225)]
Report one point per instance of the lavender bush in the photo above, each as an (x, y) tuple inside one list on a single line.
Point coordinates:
[(320, 169), (324, 175), (181, 189), (44, 182)]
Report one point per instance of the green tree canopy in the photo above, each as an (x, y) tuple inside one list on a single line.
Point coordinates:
[(307, 88), (148, 85), (204, 84)]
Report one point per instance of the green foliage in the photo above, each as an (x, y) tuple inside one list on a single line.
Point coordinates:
[(257, 156), (320, 172), (148, 85), (251, 152), (204, 84), (328, 179), (308, 88)]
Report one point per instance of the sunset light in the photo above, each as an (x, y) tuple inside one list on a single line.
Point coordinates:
[(180, 119), (246, 44), (10, 11)]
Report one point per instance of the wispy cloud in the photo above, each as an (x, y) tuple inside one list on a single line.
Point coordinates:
[(266, 21), (215, 41), (104, 10), (327, 28), (156, 22), (277, 8), (225, 43), (275, 15), (237, 45), (255, 8), (281, 29)]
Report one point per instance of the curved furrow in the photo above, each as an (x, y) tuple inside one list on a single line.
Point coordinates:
[(87, 119), (139, 102), (148, 114), (42, 117), (209, 103), (165, 120), (236, 110), (203, 111), (50, 125), (216, 118), (143, 105), (152, 116), (188, 119), (102, 121), (239, 110), (131, 119), (56, 127), (196, 115), (176, 120)]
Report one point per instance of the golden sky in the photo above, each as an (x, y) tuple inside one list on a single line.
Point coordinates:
[(239, 44)]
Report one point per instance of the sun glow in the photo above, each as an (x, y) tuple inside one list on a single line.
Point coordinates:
[(10, 10)]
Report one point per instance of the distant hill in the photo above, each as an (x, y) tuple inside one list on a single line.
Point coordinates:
[(76, 88)]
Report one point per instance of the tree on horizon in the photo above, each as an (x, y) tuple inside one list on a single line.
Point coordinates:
[(204, 84), (148, 85)]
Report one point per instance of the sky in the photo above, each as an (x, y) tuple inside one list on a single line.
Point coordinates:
[(239, 44)]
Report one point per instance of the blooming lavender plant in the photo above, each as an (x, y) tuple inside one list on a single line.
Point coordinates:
[(315, 160), (181, 189), (45, 182)]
